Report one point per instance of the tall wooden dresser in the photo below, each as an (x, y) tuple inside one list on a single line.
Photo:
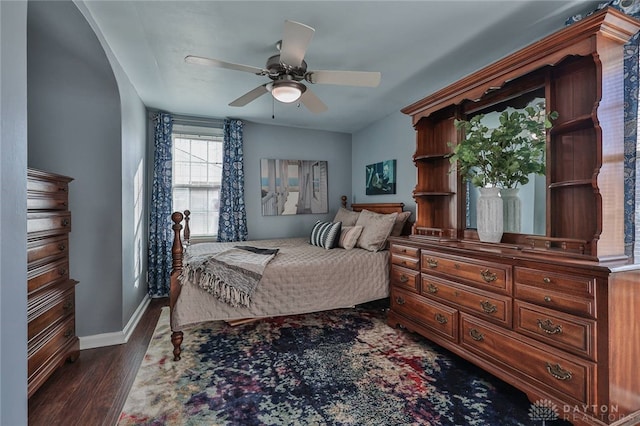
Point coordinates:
[(554, 313), (51, 303)]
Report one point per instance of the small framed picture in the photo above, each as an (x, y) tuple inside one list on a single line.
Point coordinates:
[(381, 178)]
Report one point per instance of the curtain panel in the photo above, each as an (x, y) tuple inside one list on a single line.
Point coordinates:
[(160, 233), (232, 225), (631, 143)]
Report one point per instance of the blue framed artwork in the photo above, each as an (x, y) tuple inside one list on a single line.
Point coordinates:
[(381, 178)]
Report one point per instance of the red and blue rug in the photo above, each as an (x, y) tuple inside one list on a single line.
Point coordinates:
[(341, 367)]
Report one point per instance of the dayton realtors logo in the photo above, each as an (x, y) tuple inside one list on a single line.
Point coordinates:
[(543, 410)]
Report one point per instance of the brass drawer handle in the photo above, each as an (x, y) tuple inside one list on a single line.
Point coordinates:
[(432, 288), (68, 304), (546, 280), (62, 271), (62, 188), (68, 333), (400, 300), (404, 278), (547, 299), (456, 266), (65, 222), (441, 318), (432, 263), (488, 307), (548, 327), (404, 250), (62, 247), (488, 276), (476, 335), (559, 372)]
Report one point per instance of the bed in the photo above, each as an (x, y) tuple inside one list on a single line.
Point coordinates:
[(299, 278)]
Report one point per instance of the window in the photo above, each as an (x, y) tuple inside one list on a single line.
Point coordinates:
[(197, 173)]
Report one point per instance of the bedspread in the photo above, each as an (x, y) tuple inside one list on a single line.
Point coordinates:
[(302, 278)]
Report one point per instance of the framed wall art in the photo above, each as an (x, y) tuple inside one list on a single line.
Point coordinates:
[(293, 187), (381, 178)]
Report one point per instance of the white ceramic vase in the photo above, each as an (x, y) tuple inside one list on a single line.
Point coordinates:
[(490, 215), (511, 206)]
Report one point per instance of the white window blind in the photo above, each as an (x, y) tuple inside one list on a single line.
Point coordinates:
[(197, 173)]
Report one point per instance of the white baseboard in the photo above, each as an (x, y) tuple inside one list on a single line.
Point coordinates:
[(116, 337)]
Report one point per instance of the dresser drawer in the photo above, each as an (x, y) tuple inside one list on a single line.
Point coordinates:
[(48, 274), (581, 286), (576, 335), (441, 319), (407, 262), (562, 375), (40, 201), (46, 249), (42, 350), (39, 224), (403, 250), (49, 309), (405, 278), (488, 305), (48, 185), (487, 275), (558, 301)]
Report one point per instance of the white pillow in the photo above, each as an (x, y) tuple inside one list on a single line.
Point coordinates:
[(376, 229)]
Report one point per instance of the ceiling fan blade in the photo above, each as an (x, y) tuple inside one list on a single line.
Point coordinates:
[(199, 60), (295, 39), (312, 102), (250, 96), (344, 78)]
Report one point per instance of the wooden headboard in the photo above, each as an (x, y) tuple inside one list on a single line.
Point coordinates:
[(383, 208)]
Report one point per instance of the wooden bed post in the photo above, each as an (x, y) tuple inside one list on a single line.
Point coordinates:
[(177, 251), (186, 235), (343, 199)]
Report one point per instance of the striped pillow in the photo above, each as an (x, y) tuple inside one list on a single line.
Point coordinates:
[(349, 236), (325, 234)]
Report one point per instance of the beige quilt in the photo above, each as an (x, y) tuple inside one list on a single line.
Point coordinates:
[(301, 278)]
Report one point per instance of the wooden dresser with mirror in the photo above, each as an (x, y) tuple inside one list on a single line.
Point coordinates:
[(553, 309)]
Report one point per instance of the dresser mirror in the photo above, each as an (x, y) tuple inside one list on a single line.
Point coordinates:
[(532, 217)]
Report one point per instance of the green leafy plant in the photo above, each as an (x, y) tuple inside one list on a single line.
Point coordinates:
[(506, 155)]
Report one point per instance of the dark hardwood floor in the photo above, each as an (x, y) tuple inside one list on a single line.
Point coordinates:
[(92, 390)]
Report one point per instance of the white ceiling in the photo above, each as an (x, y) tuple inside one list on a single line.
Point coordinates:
[(418, 46)]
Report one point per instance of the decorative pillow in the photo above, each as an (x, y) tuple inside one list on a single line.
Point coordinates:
[(376, 229), (349, 236), (399, 225), (325, 234), (347, 217)]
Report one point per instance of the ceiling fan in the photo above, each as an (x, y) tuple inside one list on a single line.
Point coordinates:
[(288, 69)]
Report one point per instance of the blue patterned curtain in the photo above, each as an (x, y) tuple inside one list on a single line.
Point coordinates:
[(232, 225), (631, 143), (160, 232)]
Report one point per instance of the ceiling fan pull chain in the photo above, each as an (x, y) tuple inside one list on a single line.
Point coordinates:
[(273, 108)]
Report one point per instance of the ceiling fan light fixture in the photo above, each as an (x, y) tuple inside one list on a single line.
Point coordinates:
[(287, 91)]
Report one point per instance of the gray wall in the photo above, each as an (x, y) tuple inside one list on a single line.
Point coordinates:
[(135, 211), (390, 138), (264, 141), (13, 208), (84, 124)]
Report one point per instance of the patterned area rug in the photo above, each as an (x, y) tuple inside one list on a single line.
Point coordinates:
[(341, 367)]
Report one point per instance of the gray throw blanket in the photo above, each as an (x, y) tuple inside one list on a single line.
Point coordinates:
[(231, 275)]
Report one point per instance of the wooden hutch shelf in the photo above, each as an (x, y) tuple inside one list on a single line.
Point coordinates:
[(554, 314)]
